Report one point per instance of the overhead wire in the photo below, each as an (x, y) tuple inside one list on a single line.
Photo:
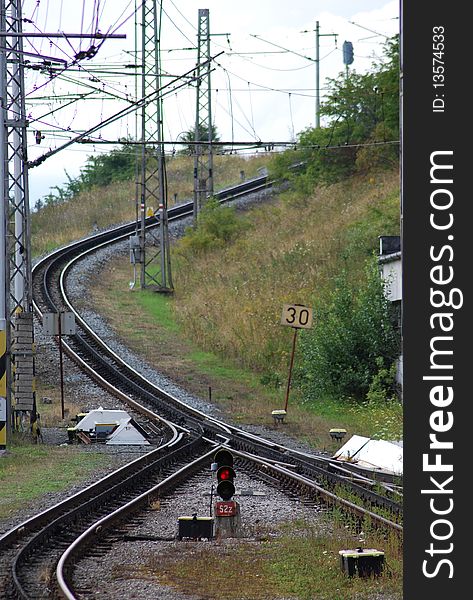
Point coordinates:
[(82, 24), (163, 91), (230, 104), (265, 87), (251, 109), (246, 118), (231, 89), (177, 27), (74, 60)]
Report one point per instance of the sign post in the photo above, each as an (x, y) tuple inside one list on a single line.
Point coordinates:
[(3, 390), (61, 323), (298, 317)]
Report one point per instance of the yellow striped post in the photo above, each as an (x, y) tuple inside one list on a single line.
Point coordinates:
[(3, 389)]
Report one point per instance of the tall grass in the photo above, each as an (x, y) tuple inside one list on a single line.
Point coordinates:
[(101, 207), (230, 299)]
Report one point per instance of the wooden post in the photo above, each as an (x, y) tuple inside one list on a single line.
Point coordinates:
[(61, 364), (290, 368)]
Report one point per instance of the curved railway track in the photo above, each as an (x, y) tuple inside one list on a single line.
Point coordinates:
[(61, 534)]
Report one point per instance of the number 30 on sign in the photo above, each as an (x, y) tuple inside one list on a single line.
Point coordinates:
[(295, 315)]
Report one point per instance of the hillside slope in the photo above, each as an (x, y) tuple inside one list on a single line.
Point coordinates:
[(60, 222), (226, 308), (230, 299)]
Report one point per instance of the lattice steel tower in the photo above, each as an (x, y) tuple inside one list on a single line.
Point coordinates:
[(16, 315), (203, 157), (154, 243)]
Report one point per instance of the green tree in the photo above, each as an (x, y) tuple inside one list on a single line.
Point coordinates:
[(101, 170), (353, 339), (363, 120), (188, 138)]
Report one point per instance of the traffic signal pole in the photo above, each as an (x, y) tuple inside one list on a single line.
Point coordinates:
[(227, 511), (318, 35)]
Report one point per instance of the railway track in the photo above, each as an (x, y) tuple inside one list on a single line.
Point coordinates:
[(63, 533)]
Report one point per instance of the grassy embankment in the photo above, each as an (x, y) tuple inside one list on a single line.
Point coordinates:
[(57, 225), (29, 472), (221, 328)]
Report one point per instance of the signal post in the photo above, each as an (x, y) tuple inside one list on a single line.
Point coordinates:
[(226, 510)]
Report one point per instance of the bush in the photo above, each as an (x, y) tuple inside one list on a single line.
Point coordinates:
[(352, 341), (216, 226)]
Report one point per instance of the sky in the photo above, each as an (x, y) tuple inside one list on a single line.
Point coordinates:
[(263, 83)]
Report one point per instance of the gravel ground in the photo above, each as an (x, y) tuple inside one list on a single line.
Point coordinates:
[(119, 569)]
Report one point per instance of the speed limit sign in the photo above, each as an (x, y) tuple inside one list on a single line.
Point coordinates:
[(296, 315)]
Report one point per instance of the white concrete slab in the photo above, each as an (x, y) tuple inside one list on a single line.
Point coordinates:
[(375, 454), (127, 434)]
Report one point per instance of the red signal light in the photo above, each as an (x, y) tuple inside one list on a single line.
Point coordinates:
[(224, 474)]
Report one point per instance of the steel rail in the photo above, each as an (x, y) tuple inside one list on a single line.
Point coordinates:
[(98, 529), (25, 527), (83, 505), (313, 464), (327, 496), (319, 463), (274, 456), (113, 236), (65, 563), (320, 470)]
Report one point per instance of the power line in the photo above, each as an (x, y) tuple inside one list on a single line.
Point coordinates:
[(134, 106)]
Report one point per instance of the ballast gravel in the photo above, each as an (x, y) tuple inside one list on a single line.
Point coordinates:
[(126, 568)]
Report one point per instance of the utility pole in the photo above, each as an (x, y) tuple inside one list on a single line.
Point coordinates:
[(155, 255), (203, 157), (318, 35), (17, 395), (16, 315)]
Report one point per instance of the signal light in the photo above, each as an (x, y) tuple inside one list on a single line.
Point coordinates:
[(347, 53), (225, 474)]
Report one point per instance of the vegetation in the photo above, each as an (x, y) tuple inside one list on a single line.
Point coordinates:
[(351, 350), (76, 212), (188, 138), (99, 171), (229, 300), (298, 561), (354, 342), (238, 392), (28, 472), (362, 131), (216, 226)]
